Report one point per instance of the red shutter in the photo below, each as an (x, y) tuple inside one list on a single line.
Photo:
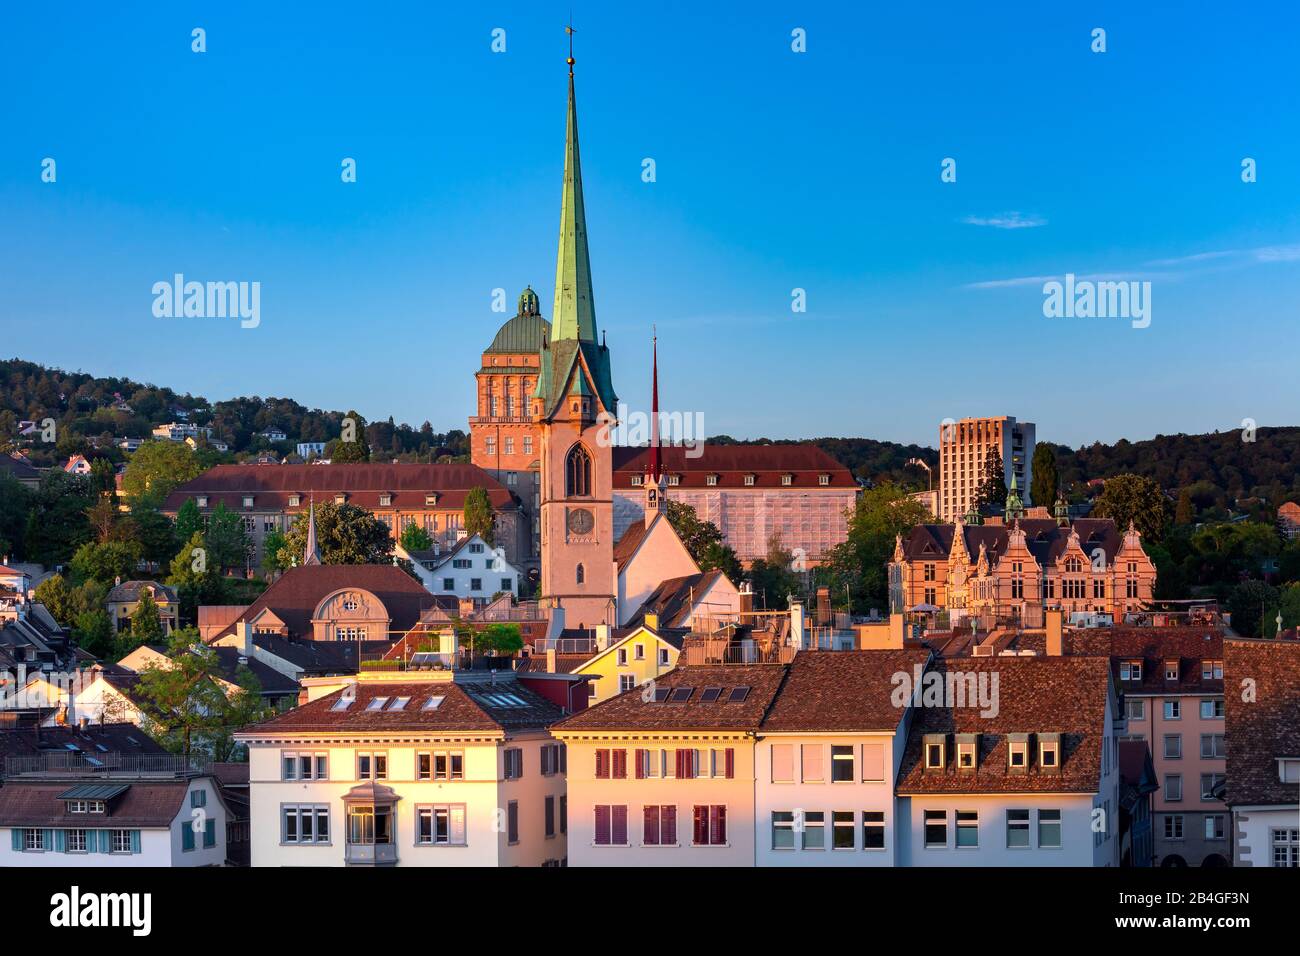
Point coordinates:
[(701, 826), (620, 764), (602, 764), (618, 828), (718, 835), (669, 828), (677, 756), (731, 763), (602, 825), (650, 835), (640, 764)]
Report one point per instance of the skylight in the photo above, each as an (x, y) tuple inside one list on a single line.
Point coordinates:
[(433, 703), (681, 695), (399, 703), (343, 703), (711, 694), (661, 694), (377, 703), (738, 695)]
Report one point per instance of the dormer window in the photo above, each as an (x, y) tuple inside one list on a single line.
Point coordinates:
[(1288, 769), (967, 751), (823, 479), (711, 480), (636, 480), (674, 479), (1171, 670), (1049, 752), (935, 751), (787, 479), (749, 480), (1018, 753), (1130, 670), (295, 501), (385, 500), (1211, 670), (202, 501), (431, 499), (340, 499), (248, 501)]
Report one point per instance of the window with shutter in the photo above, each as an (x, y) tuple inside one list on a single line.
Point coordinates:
[(783, 763), (602, 764), (730, 763), (618, 826), (620, 764), (642, 763), (812, 762)]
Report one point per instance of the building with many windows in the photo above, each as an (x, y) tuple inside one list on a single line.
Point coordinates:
[(1013, 761), (270, 498), (423, 768), (963, 451), (1262, 788), (1017, 571)]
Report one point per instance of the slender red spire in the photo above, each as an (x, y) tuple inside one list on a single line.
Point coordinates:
[(656, 466)]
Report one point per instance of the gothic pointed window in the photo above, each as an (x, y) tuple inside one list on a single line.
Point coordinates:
[(577, 473), (581, 574)]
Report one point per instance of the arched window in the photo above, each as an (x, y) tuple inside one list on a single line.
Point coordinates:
[(581, 574), (577, 473)]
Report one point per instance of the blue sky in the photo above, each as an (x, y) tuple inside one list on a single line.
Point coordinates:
[(775, 170)]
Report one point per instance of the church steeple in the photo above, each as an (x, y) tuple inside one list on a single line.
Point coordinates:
[(1015, 507), (574, 314), (311, 550), (656, 463)]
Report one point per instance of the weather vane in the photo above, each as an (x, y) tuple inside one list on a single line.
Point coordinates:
[(569, 30)]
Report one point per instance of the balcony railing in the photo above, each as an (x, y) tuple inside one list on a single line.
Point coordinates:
[(706, 651), (112, 764), (565, 645)]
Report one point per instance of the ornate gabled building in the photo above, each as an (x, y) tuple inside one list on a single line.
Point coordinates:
[(1016, 571)]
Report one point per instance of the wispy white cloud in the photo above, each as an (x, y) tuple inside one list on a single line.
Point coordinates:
[(1172, 269), (1007, 220)]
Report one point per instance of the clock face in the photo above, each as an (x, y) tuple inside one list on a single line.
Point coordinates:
[(581, 521)]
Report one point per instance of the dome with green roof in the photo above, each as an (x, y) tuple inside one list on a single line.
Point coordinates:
[(525, 332)]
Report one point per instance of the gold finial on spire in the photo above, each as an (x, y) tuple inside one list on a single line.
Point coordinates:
[(569, 30)]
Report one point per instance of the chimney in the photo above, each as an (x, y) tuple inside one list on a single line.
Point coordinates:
[(797, 630), (823, 606), (550, 660), (244, 631), (896, 631), (1055, 636), (746, 598)]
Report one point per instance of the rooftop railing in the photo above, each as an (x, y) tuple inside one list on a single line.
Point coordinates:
[(111, 764)]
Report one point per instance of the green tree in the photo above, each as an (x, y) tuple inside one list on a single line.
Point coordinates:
[(479, 517), (56, 518), (156, 469), (499, 639), (155, 532), (1043, 485), (1137, 499), (992, 490), (351, 445), (226, 540), (93, 632), (188, 520), (415, 538), (14, 502), (103, 476), (106, 562), (195, 581), (274, 557), (1248, 602), (721, 557), (345, 534), (146, 624), (860, 562), (1186, 511), (772, 578)]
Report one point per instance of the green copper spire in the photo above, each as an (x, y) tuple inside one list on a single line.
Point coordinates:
[(1015, 506), (574, 314)]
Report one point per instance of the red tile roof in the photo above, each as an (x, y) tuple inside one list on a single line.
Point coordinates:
[(731, 463), (1264, 728), (271, 486), (632, 712), (1153, 646), (1035, 695), (842, 691), (295, 595), (33, 803), (473, 705)]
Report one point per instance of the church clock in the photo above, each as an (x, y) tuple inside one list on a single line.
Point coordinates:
[(580, 521)]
